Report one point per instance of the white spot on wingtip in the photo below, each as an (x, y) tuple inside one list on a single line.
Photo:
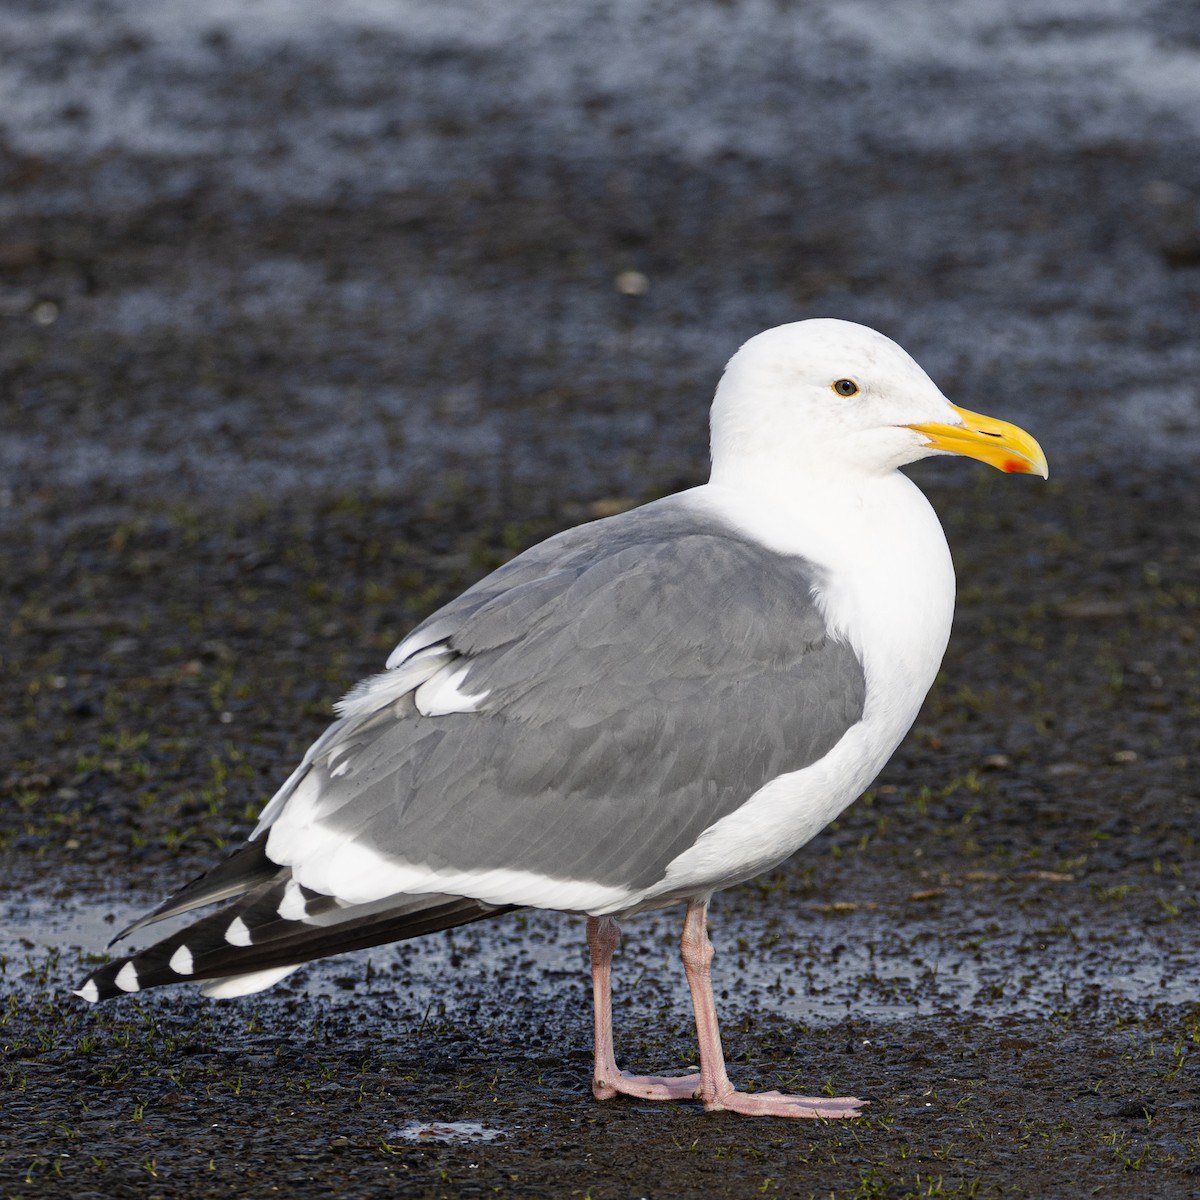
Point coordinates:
[(292, 907), (181, 961), (89, 992), (127, 978), (237, 934)]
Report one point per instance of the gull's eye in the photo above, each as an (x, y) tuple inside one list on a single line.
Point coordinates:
[(846, 387)]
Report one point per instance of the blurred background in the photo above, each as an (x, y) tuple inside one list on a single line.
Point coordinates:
[(262, 246), (312, 312)]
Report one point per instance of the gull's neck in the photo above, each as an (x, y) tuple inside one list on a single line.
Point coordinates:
[(796, 511), (885, 583), (825, 516)]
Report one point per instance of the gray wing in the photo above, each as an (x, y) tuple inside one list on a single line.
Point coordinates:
[(640, 678)]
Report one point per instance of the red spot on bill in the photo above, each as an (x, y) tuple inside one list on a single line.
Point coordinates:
[(1015, 465)]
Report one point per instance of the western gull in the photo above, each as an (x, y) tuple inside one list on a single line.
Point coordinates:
[(635, 713)]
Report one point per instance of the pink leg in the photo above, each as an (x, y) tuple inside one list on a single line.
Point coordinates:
[(607, 1082), (715, 1089)]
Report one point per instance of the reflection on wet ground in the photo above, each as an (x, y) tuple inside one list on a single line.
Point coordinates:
[(879, 962)]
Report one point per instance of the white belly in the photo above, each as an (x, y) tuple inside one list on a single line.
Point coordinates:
[(890, 594)]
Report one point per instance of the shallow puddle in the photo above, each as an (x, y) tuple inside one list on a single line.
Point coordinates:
[(449, 1132), (802, 964)]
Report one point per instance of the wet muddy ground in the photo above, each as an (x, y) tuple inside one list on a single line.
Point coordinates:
[(307, 322)]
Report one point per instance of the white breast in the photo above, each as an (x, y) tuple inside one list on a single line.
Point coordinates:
[(889, 592)]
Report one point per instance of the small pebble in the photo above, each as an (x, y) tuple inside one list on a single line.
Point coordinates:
[(632, 283)]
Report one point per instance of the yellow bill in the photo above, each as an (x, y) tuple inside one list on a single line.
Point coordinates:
[(997, 443)]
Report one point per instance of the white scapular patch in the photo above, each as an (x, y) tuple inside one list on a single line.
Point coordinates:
[(340, 769), (379, 691), (418, 660), (127, 978), (243, 985), (89, 992), (237, 934), (418, 641), (406, 672), (439, 696), (293, 906), (181, 961)]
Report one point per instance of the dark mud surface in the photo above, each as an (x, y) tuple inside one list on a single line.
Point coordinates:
[(306, 321)]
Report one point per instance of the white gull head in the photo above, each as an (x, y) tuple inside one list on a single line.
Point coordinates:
[(827, 399)]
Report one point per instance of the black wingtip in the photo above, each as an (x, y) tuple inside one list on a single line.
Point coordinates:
[(242, 871), (114, 979), (249, 938)]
